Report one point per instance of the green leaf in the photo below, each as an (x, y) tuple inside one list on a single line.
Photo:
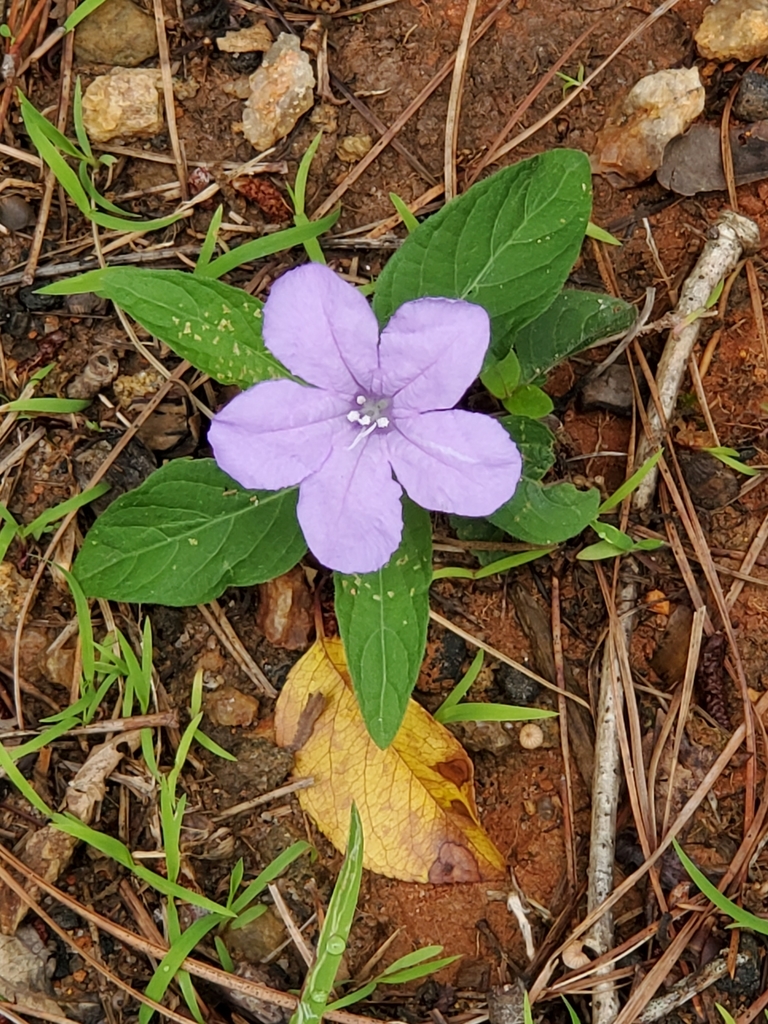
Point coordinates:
[(535, 441), (730, 457), (52, 406), (478, 529), (335, 931), (383, 622), (460, 690), (507, 244), (216, 327), (454, 572), (259, 248), (547, 515), (52, 515), (741, 918), (406, 216), (601, 235), (80, 12), (169, 966), (573, 322), (479, 711), (529, 400), (601, 550), (630, 484), (616, 537), (724, 1014), (185, 535), (502, 378)]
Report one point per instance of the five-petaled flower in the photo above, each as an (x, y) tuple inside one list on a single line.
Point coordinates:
[(377, 420)]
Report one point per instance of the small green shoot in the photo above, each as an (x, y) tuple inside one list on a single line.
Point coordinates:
[(298, 197), (452, 711), (631, 484), (457, 572), (740, 918), (11, 529), (527, 1012), (601, 235), (724, 1014), (411, 967), (569, 82), (571, 1012), (6, 33), (614, 543), (730, 457), (406, 216), (335, 931), (715, 294), (43, 406)]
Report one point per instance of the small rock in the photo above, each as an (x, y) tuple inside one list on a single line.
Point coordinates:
[(139, 385), (751, 103), (671, 656), (476, 736), (285, 611), (734, 30), (353, 148), (694, 163), (257, 939), (246, 40), (126, 103), (15, 213), (657, 109), (711, 483), (13, 591), (118, 33), (58, 666), (231, 707), (32, 300), (100, 370), (611, 391), (282, 89), (85, 304)]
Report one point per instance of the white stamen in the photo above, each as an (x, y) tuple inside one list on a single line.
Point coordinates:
[(353, 416), (361, 435), (360, 399), (364, 420), (382, 421)]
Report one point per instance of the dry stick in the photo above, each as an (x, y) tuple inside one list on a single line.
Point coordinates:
[(170, 107), (409, 111), (303, 947), (685, 989), (158, 950), (50, 178), (572, 94), (414, 207), (719, 257), (557, 651), (222, 627), (454, 103), (682, 819)]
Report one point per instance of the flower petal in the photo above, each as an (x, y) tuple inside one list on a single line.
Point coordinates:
[(322, 329), (350, 510), (431, 351), (454, 461), (276, 433)]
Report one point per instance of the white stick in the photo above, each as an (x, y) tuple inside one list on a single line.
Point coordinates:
[(730, 235)]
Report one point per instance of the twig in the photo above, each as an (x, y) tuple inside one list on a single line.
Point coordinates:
[(719, 257), (557, 651), (685, 989), (454, 103), (220, 624), (170, 103), (305, 951), (265, 798)]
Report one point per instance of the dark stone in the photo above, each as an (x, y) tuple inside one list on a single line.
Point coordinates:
[(516, 687), (35, 303), (751, 103), (611, 391)]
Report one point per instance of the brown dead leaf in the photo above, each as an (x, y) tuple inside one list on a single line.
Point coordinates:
[(416, 798)]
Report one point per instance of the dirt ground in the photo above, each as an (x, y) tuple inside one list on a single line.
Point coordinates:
[(385, 56)]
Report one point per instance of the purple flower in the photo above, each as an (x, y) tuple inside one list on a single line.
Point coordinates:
[(377, 407)]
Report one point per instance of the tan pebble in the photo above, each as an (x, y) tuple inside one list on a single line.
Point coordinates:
[(531, 736), (231, 707)]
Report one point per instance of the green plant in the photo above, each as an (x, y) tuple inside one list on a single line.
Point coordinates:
[(452, 711)]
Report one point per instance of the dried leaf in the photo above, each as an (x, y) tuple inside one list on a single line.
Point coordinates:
[(416, 798)]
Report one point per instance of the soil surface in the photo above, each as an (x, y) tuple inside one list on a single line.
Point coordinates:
[(384, 57)]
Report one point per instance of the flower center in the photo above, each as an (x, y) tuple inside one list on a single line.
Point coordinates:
[(369, 414)]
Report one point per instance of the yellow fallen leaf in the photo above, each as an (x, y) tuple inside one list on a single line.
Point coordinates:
[(416, 798)]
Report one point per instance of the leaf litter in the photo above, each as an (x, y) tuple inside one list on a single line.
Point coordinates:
[(514, 801)]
